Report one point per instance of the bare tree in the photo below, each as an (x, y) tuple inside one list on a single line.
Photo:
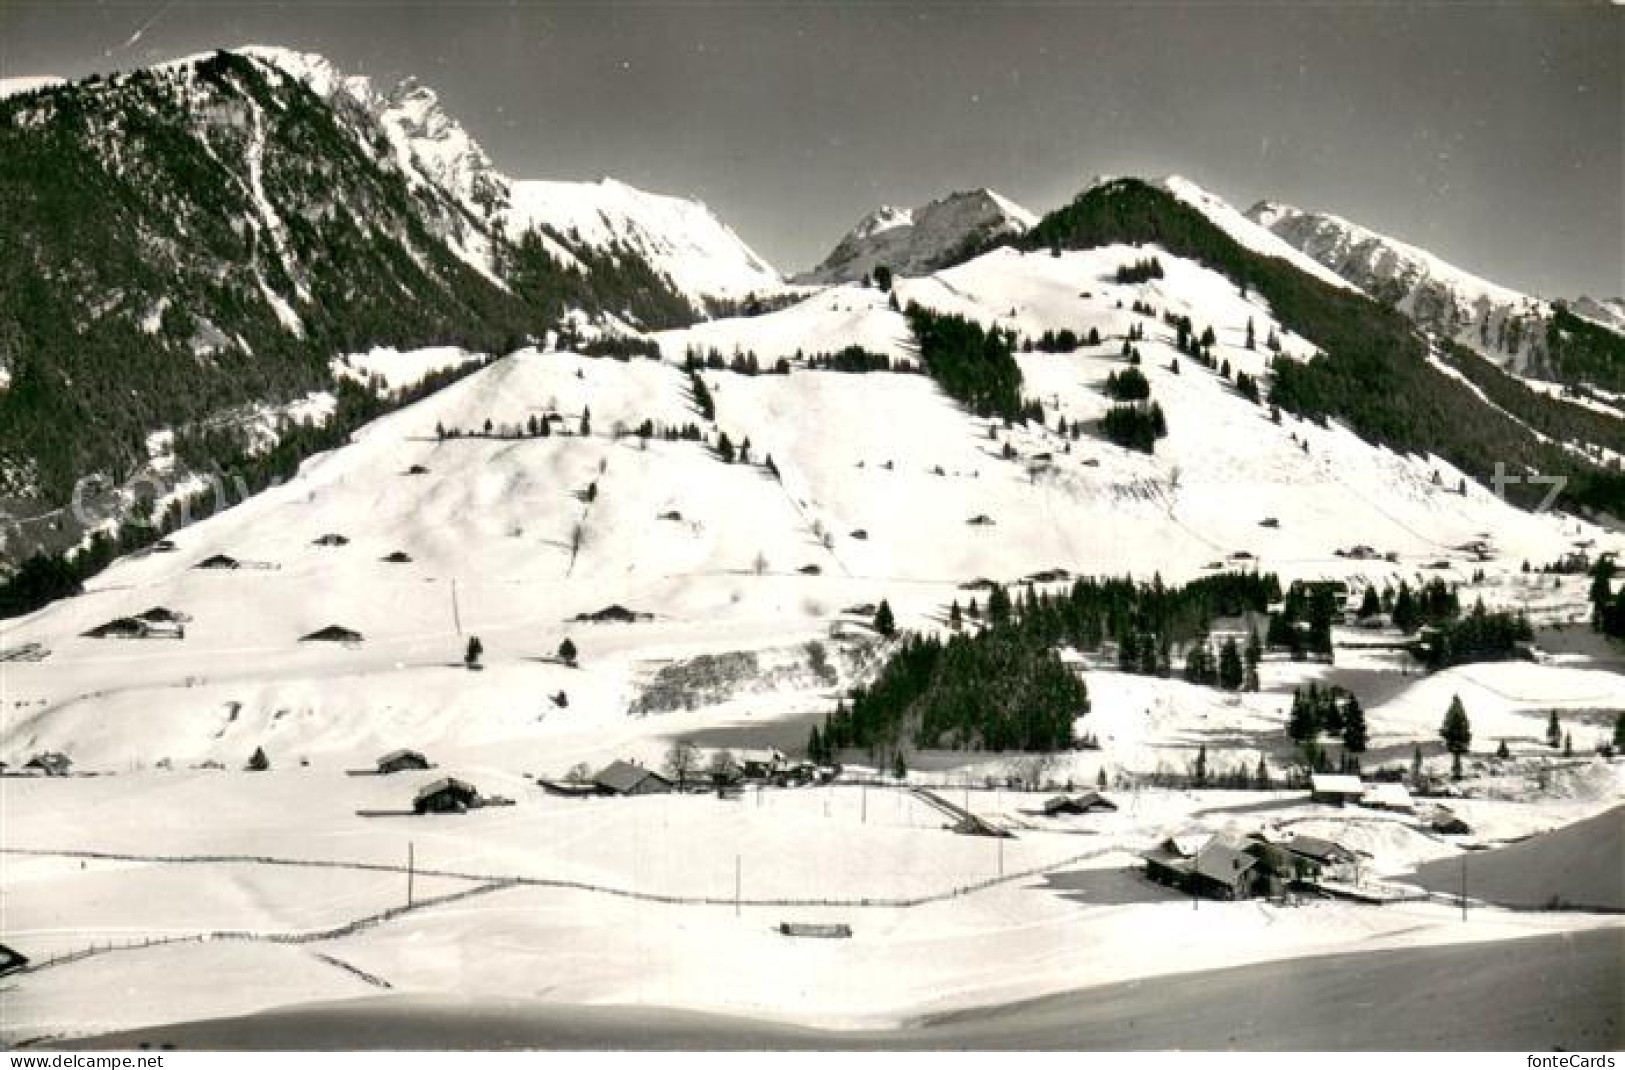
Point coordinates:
[(760, 564), (681, 760)]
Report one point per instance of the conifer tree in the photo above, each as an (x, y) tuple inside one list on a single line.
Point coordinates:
[(1457, 733), (1355, 733), (1231, 674), (885, 623)]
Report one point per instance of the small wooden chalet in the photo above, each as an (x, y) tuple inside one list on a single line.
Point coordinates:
[(50, 763), (1089, 802), (624, 778), (333, 633), (1335, 788), (446, 796), (397, 760), (219, 561), (11, 961), (760, 764)]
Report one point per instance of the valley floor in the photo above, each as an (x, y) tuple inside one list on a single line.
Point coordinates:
[(1435, 998), (138, 913)]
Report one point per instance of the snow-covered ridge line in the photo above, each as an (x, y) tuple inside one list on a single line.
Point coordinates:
[(28, 83), (680, 238), (1400, 258), (1502, 325), (1245, 231)]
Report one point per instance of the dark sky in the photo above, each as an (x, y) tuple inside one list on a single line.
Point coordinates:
[(1494, 135)]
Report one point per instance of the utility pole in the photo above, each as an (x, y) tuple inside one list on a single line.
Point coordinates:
[(866, 802), (736, 886), (1001, 855), (410, 870), (1464, 886)]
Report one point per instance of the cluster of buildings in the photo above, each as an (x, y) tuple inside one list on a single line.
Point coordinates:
[(1225, 866)]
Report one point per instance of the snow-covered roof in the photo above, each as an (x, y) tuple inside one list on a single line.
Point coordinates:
[(624, 776), (1336, 784), (449, 783), (1391, 795)]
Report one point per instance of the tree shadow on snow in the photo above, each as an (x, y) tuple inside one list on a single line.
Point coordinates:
[(1108, 887)]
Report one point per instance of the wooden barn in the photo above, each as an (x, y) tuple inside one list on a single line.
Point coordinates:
[(50, 763), (333, 633), (624, 778), (1389, 796), (1090, 802), (1322, 855), (760, 764), (143, 626), (118, 628), (397, 760), (218, 561), (1220, 869), (11, 961), (446, 796), (1335, 789)]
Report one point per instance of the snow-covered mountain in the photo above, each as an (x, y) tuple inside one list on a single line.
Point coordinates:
[(243, 217), (679, 238), (1496, 321), (917, 241), (881, 486), (1608, 312), (1246, 231)]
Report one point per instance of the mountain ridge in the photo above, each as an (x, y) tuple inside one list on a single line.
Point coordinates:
[(917, 241)]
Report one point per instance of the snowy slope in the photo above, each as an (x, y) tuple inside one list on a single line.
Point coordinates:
[(916, 241), (879, 476), (681, 239), (751, 582), (1494, 320)]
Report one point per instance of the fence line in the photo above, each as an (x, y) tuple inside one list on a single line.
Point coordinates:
[(486, 885), (894, 902), (309, 936)]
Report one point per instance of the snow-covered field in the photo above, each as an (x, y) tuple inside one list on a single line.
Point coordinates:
[(755, 588)]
